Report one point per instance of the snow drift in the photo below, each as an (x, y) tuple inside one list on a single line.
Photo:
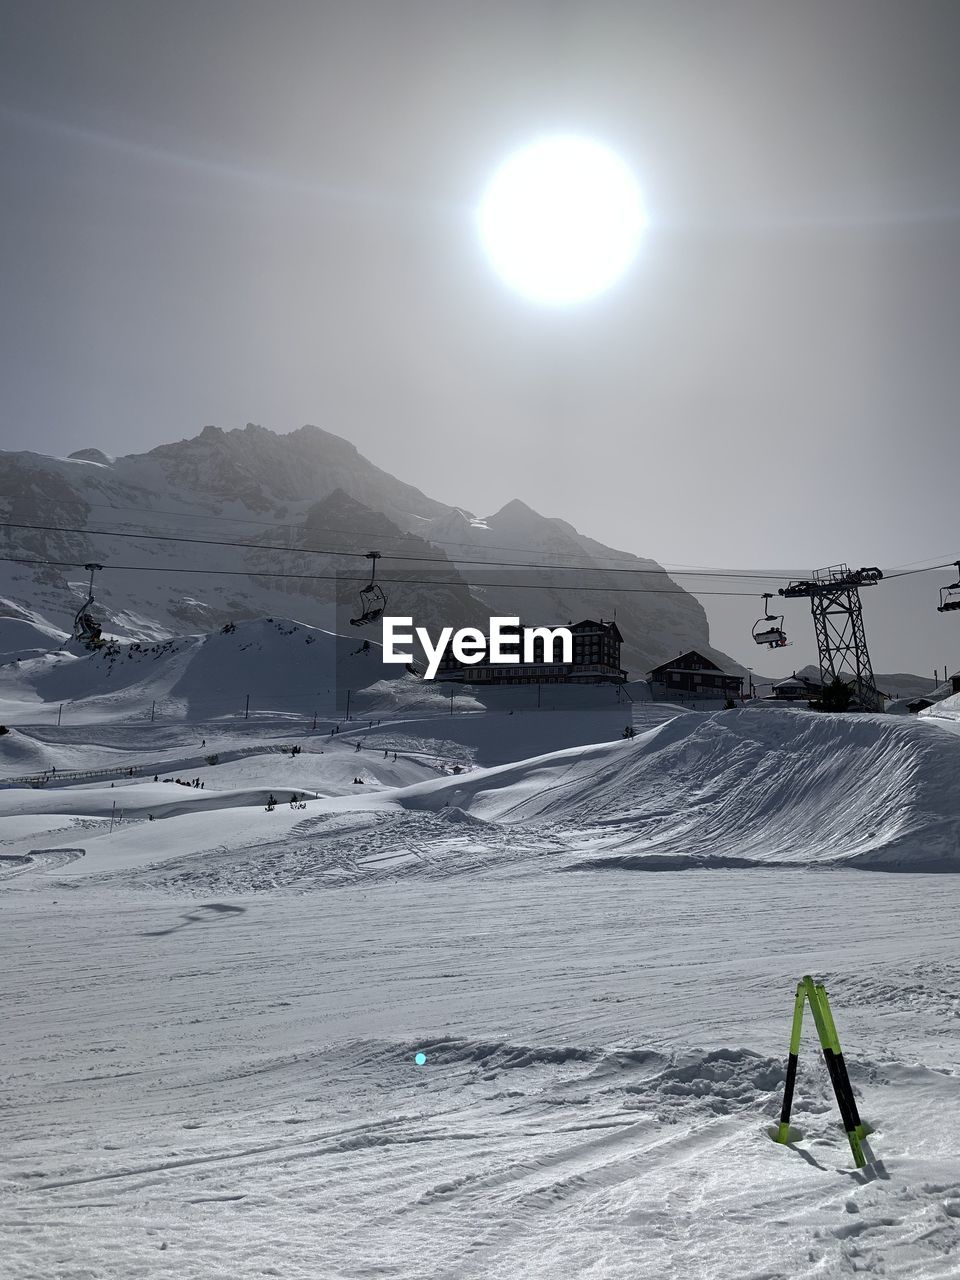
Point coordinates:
[(735, 788), (25, 634)]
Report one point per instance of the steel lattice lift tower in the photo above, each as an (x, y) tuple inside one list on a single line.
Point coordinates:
[(834, 596)]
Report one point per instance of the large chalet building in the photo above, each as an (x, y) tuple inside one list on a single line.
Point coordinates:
[(596, 660), (691, 674)]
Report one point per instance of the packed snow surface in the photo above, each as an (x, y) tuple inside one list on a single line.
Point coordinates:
[(213, 1004)]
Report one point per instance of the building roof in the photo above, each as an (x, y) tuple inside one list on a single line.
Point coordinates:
[(682, 661), (798, 680), (592, 625)]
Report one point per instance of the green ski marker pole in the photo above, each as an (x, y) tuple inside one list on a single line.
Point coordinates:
[(791, 1080), (841, 1065), (828, 1057), (841, 1083), (849, 1124)]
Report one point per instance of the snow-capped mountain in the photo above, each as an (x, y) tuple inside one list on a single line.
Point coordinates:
[(304, 505)]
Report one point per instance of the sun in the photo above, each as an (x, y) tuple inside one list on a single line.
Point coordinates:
[(561, 219)]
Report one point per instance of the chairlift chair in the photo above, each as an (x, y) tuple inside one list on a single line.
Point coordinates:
[(373, 601), (774, 637), (86, 630), (950, 596)]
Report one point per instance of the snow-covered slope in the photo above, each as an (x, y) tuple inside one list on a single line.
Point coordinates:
[(450, 1027), (946, 709), (25, 634), (735, 788), (284, 667)]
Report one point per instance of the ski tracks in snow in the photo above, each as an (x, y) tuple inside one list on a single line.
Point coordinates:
[(520, 1161)]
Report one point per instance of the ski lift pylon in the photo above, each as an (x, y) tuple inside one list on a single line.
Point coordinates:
[(373, 601), (774, 637), (950, 596)]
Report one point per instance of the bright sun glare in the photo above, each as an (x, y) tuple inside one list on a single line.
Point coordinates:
[(561, 219)]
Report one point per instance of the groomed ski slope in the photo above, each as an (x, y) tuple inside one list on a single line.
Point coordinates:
[(210, 1019), (226, 1088)]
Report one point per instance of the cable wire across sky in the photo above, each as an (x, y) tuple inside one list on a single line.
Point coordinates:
[(747, 574), (339, 577)]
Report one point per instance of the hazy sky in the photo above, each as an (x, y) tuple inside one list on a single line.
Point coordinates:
[(222, 212)]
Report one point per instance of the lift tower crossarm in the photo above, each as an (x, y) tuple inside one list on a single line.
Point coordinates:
[(839, 577)]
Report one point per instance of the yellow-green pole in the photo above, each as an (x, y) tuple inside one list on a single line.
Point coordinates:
[(792, 1060), (826, 1042), (841, 1065)]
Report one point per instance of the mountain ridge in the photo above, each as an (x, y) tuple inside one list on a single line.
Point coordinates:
[(215, 483)]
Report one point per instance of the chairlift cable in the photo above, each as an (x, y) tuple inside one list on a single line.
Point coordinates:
[(342, 577)]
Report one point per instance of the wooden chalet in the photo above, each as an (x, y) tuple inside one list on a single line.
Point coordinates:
[(692, 674)]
